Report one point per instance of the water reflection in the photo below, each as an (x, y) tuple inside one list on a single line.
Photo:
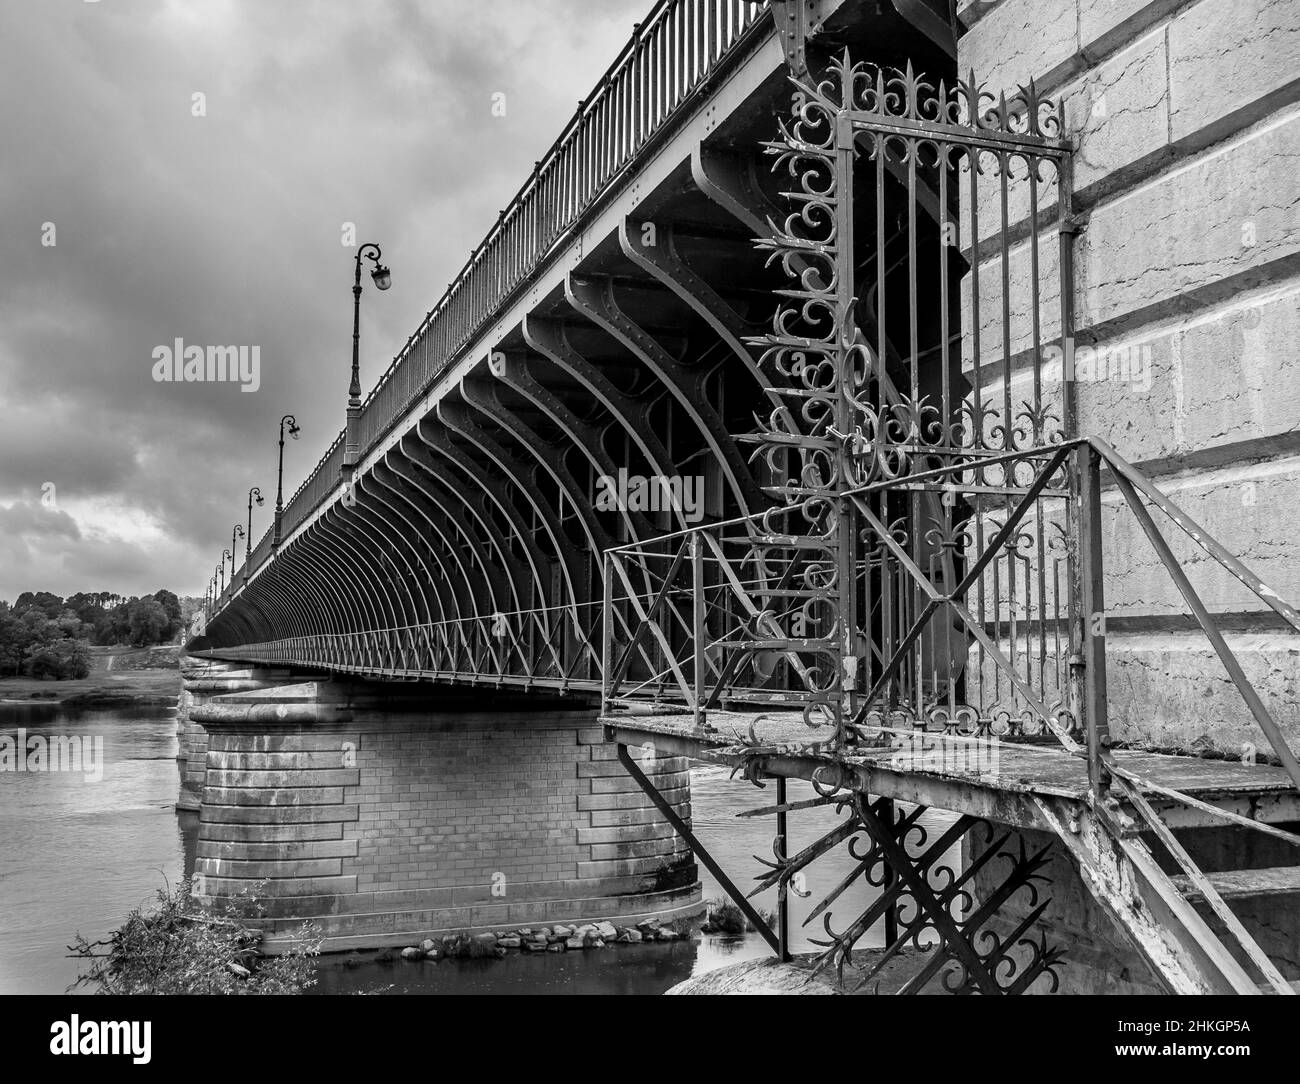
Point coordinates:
[(79, 855)]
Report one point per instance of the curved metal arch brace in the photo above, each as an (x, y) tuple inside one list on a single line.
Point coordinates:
[(233, 623), (510, 367), (415, 496), (435, 495), (728, 179), (252, 617), (595, 301), (484, 398), (352, 576), (336, 580), (397, 644), (337, 550), (216, 631), (286, 576), (449, 629), (389, 481), (277, 584), (517, 374), (297, 574), (262, 602), (341, 592), (442, 496), (370, 506), (473, 474), (548, 338), (237, 620), (539, 618), (355, 604), (664, 263), (286, 581), (517, 475), (568, 559), (354, 538)]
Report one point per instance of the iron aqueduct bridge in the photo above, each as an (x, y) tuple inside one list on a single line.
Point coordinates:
[(752, 434)]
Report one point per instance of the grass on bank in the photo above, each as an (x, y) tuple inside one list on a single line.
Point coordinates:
[(100, 687)]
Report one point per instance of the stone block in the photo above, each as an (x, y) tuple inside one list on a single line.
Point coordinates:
[(1170, 690), (1230, 214), (1019, 40), (1231, 64)]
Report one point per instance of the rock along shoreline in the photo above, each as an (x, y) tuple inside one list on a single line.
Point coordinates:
[(537, 939)]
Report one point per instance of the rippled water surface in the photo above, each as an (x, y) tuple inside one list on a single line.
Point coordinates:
[(78, 855)]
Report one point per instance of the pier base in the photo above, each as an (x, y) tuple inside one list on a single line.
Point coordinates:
[(388, 813), (201, 680)]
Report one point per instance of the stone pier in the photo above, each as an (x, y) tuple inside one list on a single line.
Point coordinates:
[(387, 813), (200, 681)]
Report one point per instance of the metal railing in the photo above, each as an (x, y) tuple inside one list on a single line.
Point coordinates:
[(1008, 642), (671, 59), (544, 648)]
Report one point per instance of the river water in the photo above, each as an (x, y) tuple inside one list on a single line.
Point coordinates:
[(77, 855)]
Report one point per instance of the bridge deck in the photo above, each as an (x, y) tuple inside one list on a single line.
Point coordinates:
[(994, 780)]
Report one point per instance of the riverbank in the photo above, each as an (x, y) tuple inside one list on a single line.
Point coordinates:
[(102, 688)]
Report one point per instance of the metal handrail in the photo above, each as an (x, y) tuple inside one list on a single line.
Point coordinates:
[(671, 58)]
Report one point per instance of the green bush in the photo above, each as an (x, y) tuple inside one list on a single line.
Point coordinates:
[(178, 947), (62, 660)]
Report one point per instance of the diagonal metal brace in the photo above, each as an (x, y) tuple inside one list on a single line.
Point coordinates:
[(698, 849)]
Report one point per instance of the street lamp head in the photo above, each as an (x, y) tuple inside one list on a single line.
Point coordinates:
[(382, 276), (260, 502), (294, 431)]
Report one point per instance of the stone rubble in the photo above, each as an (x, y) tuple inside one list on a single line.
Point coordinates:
[(558, 938)]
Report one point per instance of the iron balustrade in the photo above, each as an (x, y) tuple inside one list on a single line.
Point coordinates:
[(670, 60), (706, 605)]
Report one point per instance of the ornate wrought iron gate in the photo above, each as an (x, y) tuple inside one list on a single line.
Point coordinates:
[(916, 565), (933, 561)]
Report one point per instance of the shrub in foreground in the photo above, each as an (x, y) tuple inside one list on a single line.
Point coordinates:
[(178, 947)]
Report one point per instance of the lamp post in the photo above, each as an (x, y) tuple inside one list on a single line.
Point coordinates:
[(226, 555), (279, 477), (383, 279), (238, 532), (254, 494)]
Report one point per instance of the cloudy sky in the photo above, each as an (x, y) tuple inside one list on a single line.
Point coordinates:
[(226, 229)]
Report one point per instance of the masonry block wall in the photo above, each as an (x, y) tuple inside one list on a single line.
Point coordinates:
[(393, 826), (1186, 117), (199, 685)]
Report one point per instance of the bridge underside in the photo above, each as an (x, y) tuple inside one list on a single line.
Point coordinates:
[(610, 403)]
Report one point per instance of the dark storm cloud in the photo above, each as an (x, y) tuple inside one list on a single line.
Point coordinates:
[(225, 229)]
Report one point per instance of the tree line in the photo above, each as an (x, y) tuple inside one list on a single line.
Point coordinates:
[(45, 636)]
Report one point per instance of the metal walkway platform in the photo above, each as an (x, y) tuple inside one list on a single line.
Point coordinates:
[(995, 781)]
